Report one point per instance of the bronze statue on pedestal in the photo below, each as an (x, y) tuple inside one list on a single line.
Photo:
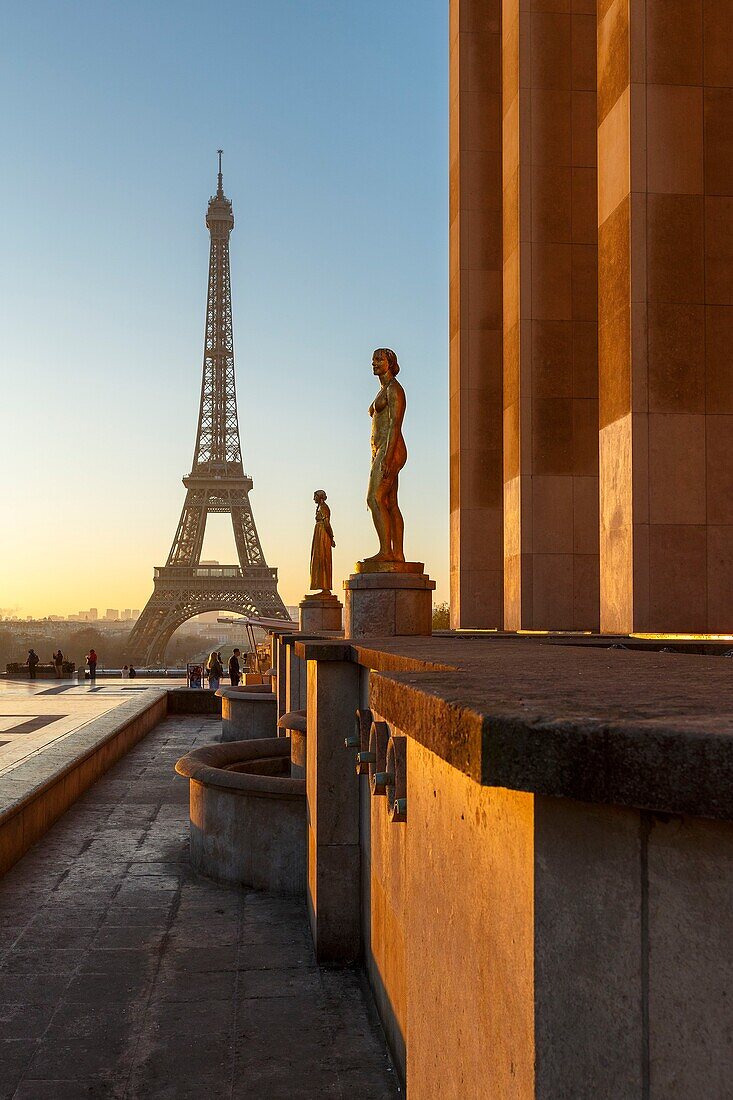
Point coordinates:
[(387, 596), (389, 455), (322, 546)]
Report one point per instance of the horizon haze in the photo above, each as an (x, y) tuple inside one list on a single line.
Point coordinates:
[(333, 121)]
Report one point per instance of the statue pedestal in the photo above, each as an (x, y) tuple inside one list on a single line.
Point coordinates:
[(384, 599), (320, 613)]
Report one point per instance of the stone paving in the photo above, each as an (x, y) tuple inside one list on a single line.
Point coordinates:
[(123, 975), (38, 713)]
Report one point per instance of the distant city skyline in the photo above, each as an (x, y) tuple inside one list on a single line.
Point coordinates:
[(333, 120), (91, 615)]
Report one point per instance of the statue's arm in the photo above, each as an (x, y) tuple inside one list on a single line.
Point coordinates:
[(397, 404), (326, 512)]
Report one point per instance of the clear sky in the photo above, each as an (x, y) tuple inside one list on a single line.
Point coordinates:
[(333, 119)]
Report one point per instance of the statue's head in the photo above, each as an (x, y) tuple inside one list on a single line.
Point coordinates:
[(383, 360), (319, 496)]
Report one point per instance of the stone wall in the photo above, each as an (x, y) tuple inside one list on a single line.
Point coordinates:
[(521, 942), (192, 701), (37, 791), (523, 946), (448, 931)]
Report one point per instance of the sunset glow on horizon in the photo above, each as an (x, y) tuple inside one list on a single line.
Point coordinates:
[(334, 127)]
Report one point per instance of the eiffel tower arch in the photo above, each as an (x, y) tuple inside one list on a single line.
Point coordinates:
[(217, 483)]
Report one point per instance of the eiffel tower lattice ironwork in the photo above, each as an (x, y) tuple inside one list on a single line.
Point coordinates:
[(217, 483)]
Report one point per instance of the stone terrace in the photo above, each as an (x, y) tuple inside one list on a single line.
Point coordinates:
[(124, 975)]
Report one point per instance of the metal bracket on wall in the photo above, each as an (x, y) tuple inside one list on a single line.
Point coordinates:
[(397, 772), (378, 740)]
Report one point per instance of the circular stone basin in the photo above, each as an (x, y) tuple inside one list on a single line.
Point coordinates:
[(247, 712), (247, 816), (294, 724)]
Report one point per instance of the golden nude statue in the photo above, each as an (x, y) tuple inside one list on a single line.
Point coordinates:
[(322, 546), (389, 455)]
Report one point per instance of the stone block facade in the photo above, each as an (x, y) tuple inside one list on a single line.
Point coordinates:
[(591, 275), (539, 889)]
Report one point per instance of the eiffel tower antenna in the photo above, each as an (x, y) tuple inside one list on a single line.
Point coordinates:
[(217, 483)]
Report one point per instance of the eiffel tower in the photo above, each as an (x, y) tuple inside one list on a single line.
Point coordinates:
[(217, 483)]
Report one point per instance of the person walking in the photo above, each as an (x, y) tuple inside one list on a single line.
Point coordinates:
[(234, 671), (33, 659), (126, 673), (133, 674), (58, 663), (215, 670), (92, 662)]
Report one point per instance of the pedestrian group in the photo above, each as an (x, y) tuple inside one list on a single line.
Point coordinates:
[(215, 669)]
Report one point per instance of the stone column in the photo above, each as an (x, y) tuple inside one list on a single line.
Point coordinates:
[(332, 793), (292, 674), (279, 665), (475, 313), (295, 680), (665, 216), (550, 315), (280, 672)]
